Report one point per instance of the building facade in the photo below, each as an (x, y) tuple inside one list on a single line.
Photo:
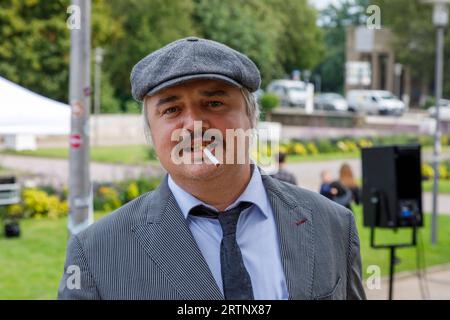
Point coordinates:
[(371, 64)]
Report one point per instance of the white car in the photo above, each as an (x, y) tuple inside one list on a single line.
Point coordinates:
[(444, 110), (291, 92), (374, 102)]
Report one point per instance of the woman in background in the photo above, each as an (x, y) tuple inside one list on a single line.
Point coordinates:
[(347, 180)]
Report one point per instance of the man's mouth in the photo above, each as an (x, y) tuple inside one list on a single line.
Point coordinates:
[(197, 147), (202, 150)]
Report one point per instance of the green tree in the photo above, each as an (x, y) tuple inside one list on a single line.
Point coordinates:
[(300, 42), (35, 46), (34, 50), (247, 26), (279, 35), (147, 26), (109, 102)]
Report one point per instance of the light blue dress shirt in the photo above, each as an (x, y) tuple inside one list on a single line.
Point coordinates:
[(256, 235)]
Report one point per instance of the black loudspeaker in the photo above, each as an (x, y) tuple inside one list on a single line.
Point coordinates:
[(12, 230), (392, 186)]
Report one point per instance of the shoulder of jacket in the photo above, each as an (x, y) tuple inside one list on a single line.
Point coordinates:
[(121, 219), (321, 207)]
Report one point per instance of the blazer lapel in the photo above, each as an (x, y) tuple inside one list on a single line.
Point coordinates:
[(167, 239), (293, 217)]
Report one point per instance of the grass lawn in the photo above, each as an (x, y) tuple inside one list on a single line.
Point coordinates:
[(434, 254), (324, 157), (342, 155), (129, 154), (31, 266), (139, 154), (444, 186)]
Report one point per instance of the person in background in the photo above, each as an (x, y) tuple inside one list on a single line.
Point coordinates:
[(282, 174), (347, 180), (335, 190), (325, 187)]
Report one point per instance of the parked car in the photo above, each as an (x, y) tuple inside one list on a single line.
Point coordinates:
[(444, 110), (291, 92), (374, 102), (330, 102)]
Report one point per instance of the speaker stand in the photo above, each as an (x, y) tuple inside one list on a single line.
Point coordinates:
[(376, 200)]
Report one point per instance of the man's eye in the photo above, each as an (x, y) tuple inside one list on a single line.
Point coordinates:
[(170, 110), (215, 103)]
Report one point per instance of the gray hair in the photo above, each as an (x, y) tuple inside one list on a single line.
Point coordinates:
[(251, 104)]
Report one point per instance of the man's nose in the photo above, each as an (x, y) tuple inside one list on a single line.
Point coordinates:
[(195, 119)]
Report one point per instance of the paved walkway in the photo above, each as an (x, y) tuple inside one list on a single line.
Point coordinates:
[(407, 286), (57, 170)]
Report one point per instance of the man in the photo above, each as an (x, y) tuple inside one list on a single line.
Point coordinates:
[(282, 173), (212, 231)]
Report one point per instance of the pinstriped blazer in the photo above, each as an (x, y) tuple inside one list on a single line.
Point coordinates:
[(145, 250)]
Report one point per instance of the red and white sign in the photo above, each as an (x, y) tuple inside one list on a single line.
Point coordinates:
[(75, 140)]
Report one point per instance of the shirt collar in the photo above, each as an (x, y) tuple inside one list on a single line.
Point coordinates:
[(254, 193)]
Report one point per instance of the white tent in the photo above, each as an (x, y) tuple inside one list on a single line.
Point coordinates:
[(24, 114)]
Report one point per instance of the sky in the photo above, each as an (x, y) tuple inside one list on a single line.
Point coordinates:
[(321, 4)]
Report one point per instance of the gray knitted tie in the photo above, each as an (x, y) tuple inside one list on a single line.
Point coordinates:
[(236, 281)]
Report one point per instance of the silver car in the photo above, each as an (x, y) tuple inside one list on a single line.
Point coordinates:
[(292, 93)]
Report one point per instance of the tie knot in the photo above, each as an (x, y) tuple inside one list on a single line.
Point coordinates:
[(228, 219)]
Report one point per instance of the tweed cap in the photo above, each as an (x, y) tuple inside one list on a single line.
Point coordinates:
[(189, 59)]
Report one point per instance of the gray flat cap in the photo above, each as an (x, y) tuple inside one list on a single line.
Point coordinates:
[(192, 58)]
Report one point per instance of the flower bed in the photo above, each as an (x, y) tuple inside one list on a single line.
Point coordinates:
[(46, 201), (351, 144)]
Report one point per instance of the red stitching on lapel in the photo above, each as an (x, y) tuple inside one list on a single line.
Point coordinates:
[(299, 222)]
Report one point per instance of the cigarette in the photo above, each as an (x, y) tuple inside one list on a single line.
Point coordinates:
[(211, 157)]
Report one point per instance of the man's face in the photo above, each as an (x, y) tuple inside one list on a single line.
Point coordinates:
[(216, 104)]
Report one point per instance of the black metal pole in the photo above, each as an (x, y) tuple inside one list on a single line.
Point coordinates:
[(391, 272)]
